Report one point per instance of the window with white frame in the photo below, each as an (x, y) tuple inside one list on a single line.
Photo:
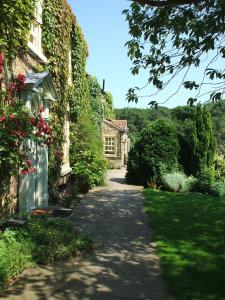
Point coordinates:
[(110, 145), (36, 31), (70, 67)]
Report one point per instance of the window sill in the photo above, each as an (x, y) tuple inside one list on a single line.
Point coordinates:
[(36, 52)]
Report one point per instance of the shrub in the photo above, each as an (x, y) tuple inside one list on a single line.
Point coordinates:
[(15, 256), (155, 151), (218, 189), (40, 241), (205, 179), (203, 142), (219, 165), (189, 184), (89, 170), (173, 182)]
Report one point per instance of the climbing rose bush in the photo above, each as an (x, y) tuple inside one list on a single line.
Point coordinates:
[(17, 125)]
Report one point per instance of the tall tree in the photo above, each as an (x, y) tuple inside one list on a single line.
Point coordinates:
[(169, 37), (204, 143)]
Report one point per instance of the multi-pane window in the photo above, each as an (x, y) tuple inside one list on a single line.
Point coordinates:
[(110, 145), (36, 31), (70, 67)]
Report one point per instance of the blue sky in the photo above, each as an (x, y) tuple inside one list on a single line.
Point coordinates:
[(106, 32)]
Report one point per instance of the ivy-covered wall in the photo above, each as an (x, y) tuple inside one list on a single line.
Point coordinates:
[(61, 35)]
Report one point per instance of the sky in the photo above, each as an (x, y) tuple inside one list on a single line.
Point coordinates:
[(106, 33)]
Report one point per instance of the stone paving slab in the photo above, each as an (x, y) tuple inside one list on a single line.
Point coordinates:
[(124, 264)]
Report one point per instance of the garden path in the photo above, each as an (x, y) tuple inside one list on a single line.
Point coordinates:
[(124, 264)]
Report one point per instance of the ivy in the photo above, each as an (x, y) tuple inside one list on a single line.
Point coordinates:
[(61, 35), (16, 17)]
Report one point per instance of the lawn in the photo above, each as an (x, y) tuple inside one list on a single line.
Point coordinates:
[(189, 231)]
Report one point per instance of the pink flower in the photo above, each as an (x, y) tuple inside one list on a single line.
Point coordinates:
[(3, 118), (12, 86), (24, 172), (29, 161), (41, 109), (32, 170), (12, 116)]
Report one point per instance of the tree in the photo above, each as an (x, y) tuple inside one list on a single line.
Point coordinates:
[(204, 143), (155, 152), (169, 37)]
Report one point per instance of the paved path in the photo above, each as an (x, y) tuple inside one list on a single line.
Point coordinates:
[(123, 266)]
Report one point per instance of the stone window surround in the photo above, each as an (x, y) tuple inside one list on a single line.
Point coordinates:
[(115, 137)]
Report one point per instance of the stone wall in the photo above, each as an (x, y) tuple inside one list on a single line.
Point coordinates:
[(119, 160)]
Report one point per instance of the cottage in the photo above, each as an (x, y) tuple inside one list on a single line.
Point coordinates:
[(116, 142), (40, 90)]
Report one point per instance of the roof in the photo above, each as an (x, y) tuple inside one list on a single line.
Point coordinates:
[(35, 80), (121, 125)]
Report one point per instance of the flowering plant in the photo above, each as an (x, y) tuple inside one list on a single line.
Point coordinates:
[(17, 124)]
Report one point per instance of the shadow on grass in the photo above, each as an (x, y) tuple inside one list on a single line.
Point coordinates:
[(189, 231)]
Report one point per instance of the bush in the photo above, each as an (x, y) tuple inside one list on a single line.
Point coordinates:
[(189, 184), (219, 165), (157, 149), (15, 256), (218, 189), (205, 179), (173, 182), (89, 170), (40, 241)]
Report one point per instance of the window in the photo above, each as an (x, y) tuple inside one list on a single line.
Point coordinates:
[(36, 31), (110, 145), (70, 81)]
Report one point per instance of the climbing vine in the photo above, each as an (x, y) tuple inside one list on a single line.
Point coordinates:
[(62, 42), (16, 17)]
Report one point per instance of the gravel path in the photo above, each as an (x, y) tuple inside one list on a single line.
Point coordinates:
[(123, 265)]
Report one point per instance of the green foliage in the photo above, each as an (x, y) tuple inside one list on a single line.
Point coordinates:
[(170, 38), (15, 256), (62, 34), (56, 40), (218, 116), (219, 166), (155, 153), (189, 184), (204, 144), (173, 182), (218, 189), (138, 118), (108, 105), (190, 241), (89, 169), (11, 157), (41, 241), (96, 101), (16, 18), (51, 240), (205, 179)]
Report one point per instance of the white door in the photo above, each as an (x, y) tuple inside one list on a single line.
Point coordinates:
[(33, 187)]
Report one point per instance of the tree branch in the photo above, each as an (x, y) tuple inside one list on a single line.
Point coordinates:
[(158, 3)]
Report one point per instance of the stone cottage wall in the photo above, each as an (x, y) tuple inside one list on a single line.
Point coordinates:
[(115, 162)]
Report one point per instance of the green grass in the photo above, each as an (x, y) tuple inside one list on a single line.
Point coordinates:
[(189, 231), (41, 241)]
